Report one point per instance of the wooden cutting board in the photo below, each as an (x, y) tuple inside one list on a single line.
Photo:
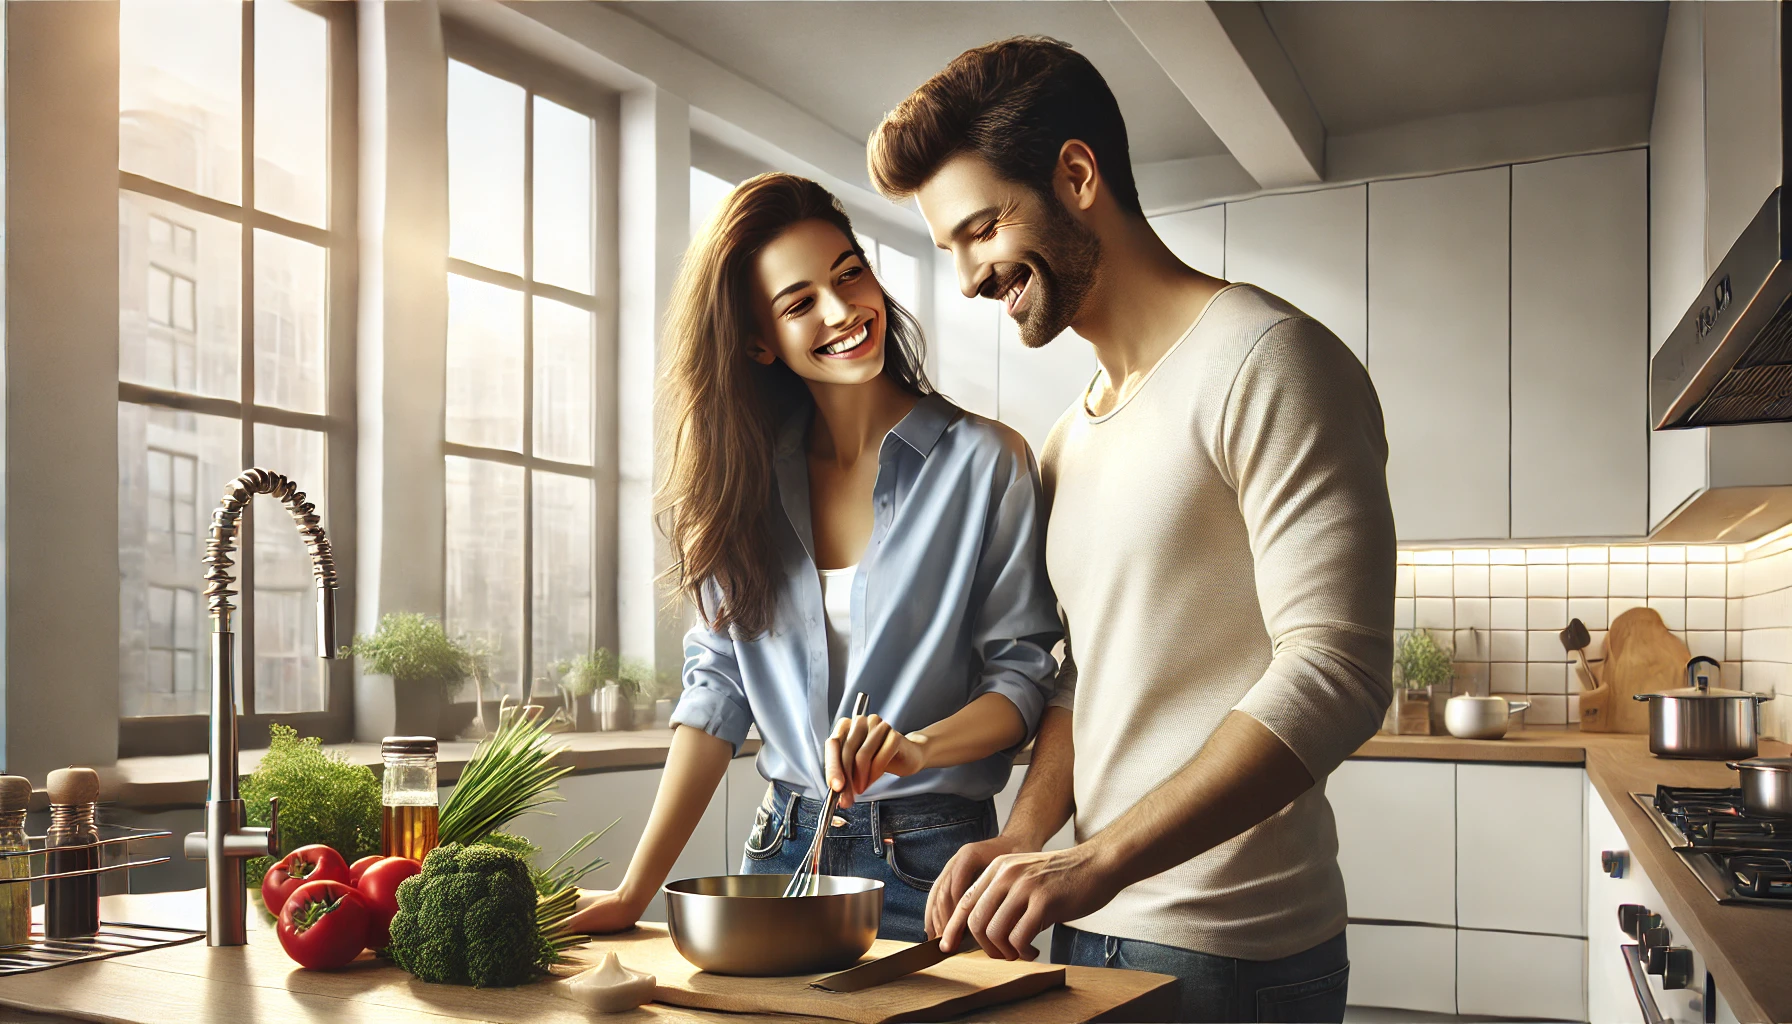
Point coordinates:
[(949, 989), (1641, 656)]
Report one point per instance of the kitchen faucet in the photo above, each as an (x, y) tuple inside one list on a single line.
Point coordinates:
[(227, 841)]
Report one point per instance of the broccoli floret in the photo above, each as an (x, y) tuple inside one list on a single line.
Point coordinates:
[(468, 918)]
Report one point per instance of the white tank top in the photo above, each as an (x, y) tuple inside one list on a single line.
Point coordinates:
[(836, 601)]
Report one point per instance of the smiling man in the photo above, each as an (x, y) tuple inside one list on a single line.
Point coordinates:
[(1221, 544)]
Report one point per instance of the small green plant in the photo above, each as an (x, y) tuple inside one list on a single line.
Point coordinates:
[(635, 677), (412, 647), (323, 798), (581, 676), (1419, 661)]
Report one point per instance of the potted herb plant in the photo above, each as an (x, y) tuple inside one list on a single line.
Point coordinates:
[(427, 669), (580, 679), (1422, 673)]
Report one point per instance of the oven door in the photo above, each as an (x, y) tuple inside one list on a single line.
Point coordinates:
[(1619, 988)]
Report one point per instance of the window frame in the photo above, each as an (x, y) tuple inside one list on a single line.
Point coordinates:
[(186, 734), (467, 45)]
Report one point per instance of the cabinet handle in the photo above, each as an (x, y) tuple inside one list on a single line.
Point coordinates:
[(1614, 862), (1639, 985)]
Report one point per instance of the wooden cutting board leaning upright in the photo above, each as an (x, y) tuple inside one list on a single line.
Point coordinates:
[(1641, 656), (948, 989)]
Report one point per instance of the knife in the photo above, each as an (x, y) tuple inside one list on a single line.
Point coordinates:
[(899, 964)]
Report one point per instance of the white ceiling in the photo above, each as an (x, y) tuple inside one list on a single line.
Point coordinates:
[(1366, 64), (1372, 64), (849, 62)]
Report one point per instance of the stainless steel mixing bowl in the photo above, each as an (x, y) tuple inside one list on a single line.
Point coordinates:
[(742, 924)]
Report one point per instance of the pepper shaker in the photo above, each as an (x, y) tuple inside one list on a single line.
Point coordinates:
[(72, 905)]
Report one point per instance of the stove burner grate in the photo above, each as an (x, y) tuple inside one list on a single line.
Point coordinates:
[(1760, 876)]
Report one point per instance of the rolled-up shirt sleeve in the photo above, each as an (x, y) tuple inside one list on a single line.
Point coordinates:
[(1303, 443), (714, 697), (1016, 625)]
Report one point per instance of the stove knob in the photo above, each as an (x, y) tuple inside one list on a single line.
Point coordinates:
[(1614, 862), (1673, 963), (1653, 941), (1630, 916)]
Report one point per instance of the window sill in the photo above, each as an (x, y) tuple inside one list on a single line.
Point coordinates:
[(180, 780)]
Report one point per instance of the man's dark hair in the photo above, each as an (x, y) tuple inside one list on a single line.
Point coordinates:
[(1014, 103)]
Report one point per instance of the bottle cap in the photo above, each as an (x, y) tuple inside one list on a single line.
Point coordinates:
[(73, 786), (408, 745), (15, 793)]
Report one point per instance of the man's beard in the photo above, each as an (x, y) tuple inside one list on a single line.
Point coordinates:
[(1063, 267)]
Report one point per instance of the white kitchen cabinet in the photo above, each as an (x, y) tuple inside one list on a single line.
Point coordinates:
[(1580, 344), (745, 792), (1396, 839), (1034, 386), (1439, 263), (1197, 237), (1310, 249), (961, 348), (1519, 834), (1403, 967), (1507, 974), (626, 797)]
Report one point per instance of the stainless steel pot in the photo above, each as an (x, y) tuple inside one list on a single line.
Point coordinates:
[(1480, 718), (1702, 721), (743, 924), (1766, 785)]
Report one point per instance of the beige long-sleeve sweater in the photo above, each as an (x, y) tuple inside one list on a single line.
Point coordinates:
[(1222, 540)]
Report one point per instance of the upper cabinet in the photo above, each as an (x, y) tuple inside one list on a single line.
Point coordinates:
[(1580, 347), (1438, 342), (1307, 247)]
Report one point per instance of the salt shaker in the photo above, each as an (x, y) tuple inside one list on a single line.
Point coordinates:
[(72, 905)]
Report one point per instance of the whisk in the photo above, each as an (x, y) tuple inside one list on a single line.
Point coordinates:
[(806, 881)]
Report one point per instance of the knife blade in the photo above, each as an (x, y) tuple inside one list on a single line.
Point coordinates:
[(899, 964)]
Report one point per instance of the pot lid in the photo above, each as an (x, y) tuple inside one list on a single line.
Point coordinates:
[(1770, 764), (1715, 692)]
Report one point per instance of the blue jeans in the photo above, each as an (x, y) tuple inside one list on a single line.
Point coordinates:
[(903, 843), (1309, 986)]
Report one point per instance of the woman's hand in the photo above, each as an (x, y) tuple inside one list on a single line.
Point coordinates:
[(863, 749), (600, 911)]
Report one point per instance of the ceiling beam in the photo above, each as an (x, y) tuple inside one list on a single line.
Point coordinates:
[(1227, 62)]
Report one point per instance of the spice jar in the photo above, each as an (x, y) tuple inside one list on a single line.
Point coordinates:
[(72, 905), (408, 811), (15, 861)]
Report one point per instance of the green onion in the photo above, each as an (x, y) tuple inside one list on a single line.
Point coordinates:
[(511, 773)]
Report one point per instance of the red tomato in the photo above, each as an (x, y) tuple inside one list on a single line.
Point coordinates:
[(379, 887), (323, 925), (355, 870), (314, 863)]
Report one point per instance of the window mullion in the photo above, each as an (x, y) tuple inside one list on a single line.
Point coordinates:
[(245, 641), (528, 394)]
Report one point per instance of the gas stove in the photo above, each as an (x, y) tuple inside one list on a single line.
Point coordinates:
[(1738, 857)]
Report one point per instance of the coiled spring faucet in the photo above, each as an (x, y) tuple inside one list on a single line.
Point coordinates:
[(227, 840)]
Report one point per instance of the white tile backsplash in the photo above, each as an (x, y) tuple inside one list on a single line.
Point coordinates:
[(1504, 610)]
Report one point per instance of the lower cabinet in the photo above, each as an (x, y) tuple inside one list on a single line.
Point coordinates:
[(1512, 974), (1403, 967)]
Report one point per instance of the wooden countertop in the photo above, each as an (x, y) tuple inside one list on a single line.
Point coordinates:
[(192, 984), (180, 780)]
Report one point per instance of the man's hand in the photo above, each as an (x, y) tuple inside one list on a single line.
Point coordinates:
[(600, 911), (959, 873), (1021, 894), (863, 749)]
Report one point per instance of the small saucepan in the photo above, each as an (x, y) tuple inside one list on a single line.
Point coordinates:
[(1704, 722), (1766, 785), (1480, 718)]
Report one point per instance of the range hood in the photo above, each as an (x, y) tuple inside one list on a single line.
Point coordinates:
[(1729, 360)]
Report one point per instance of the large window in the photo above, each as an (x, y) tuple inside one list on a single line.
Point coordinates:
[(235, 226), (522, 375)]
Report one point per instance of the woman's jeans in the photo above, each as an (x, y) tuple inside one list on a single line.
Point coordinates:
[(903, 843), (1309, 986)]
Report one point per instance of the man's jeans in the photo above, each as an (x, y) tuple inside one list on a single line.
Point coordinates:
[(903, 843), (1309, 986)]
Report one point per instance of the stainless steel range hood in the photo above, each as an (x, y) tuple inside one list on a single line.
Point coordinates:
[(1730, 358)]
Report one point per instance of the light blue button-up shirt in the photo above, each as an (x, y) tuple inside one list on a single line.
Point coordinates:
[(950, 602)]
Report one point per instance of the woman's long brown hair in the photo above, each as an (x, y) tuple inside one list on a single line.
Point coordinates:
[(722, 411)]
